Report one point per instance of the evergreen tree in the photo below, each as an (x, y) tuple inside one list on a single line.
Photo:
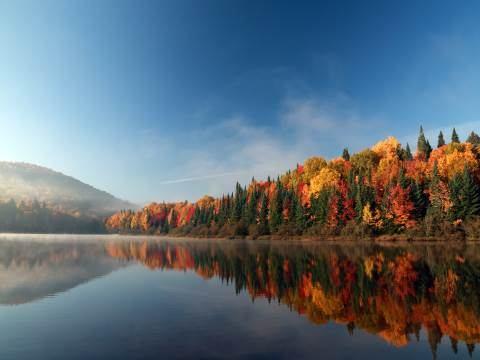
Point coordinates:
[(473, 138), (441, 140), (470, 195), (456, 197), (346, 154), (422, 143), (166, 226), (402, 179), (300, 219), (455, 138), (408, 153), (428, 150), (196, 216), (420, 199), (263, 216), (252, 213), (276, 208)]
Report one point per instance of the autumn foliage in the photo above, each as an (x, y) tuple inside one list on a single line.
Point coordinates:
[(382, 190)]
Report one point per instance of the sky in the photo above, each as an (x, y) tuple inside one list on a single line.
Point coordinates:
[(171, 100)]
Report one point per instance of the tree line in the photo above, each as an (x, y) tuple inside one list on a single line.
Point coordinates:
[(382, 190), (36, 217)]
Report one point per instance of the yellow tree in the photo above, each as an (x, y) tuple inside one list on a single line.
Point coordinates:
[(326, 178)]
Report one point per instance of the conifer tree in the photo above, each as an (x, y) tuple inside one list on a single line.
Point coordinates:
[(300, 219), (470, 195), (419, 198), (456, 187), (263, 216), (408, 153), (252, 213), (276, 208), (422, 143), (473, 138), (346, 154), (441, 140), (402, 180), (428, 150), (455, 138)]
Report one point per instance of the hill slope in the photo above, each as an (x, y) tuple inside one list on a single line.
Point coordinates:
[(25, 182)]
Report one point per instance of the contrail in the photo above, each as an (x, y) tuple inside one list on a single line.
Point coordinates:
[(198, 178)]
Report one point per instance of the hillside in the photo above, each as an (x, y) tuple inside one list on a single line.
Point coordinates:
[(26, 182)]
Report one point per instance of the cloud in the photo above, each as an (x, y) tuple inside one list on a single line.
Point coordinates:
[(238, 148), (198, 178)]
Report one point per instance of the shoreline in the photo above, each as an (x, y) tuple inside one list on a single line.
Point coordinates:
[(383, 239)]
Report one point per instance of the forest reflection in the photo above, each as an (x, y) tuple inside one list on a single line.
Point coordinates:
[(393, 292)]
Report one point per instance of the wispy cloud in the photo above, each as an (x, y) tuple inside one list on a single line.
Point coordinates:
[(199, 178), (238, 148)]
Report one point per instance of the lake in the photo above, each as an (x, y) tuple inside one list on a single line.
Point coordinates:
[(96, 297)]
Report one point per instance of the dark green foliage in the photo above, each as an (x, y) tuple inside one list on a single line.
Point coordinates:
[(346, 154), (422, 147), (441, 140), (319, 206), (470, 196), (419, 198), (402, 179), (251, 211), (300, 218), (473, 138), (455, 138), (408, 153), (276, 207), (263, 216), (465, 196)]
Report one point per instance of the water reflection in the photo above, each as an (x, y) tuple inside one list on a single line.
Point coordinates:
[(32, 270), (393, 292)]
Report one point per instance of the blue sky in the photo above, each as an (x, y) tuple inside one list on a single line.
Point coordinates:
[(169, 100)]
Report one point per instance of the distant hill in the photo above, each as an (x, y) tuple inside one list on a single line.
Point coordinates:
[(26, 182)]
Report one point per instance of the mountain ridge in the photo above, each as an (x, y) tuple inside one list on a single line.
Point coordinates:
[(22, 181)]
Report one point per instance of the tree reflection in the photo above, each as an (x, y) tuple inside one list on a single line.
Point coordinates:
[(392, 292)]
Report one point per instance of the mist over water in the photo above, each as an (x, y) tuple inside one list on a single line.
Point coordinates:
[(118, 297)]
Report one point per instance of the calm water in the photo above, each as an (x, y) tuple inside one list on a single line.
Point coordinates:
[(119, 298)]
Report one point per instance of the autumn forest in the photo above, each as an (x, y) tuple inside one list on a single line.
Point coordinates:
[(386, 190)]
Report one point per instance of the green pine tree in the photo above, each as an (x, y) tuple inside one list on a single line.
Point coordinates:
[(263, 216), (473, 138), (251, 209), (276, 208), (346, 154), (455, 138), (300, 219), (422, 143), (470, 195), (428, 150), (408, 153), (441, 140)]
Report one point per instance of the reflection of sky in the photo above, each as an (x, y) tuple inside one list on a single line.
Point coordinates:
[(168, 314)]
